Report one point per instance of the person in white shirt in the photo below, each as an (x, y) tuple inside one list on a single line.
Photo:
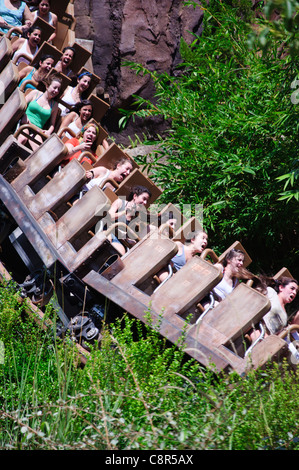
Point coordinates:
[(231, 265)]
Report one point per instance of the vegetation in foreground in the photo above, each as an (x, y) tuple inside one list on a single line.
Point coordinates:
[(135, 392), (234, 132)]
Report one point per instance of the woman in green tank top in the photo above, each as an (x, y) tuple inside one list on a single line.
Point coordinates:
[(41, 111)]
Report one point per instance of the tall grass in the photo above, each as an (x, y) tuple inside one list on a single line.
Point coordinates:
[(135, 392)]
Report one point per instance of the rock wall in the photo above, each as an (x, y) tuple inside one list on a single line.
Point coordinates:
[(143, 31)]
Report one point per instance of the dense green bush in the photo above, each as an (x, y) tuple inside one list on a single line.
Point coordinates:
[(233, 132), (135, 392)]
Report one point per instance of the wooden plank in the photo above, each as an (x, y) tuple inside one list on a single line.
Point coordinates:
[(46, 31), (39, 315), (5, 52), (11, 150), (237, 246), (28, 224), (45, 49), (11, 112), (100, 107), (175, 211), (82, 55), (191, 225), (111, 156), (91, 256), (136, 177), (48, 155), (270, 348), (170, 328), (61, 35), (95, 79), (235, 314)]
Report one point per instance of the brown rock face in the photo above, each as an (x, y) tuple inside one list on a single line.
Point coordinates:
[(144, 31)]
